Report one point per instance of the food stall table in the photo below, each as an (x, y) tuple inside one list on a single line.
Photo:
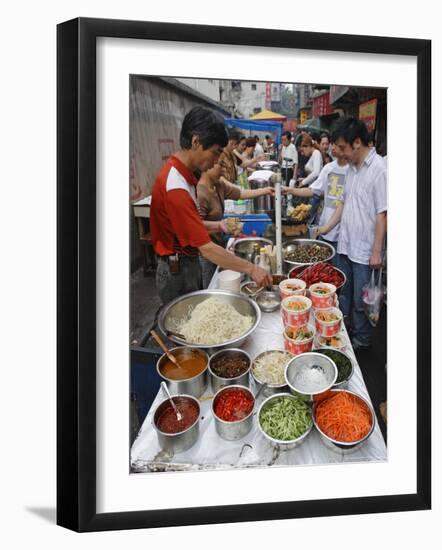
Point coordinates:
[(212, 452)]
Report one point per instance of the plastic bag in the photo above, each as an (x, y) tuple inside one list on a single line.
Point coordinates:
[(373, 298)]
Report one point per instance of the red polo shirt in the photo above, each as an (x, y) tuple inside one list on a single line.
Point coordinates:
[(174, 221)]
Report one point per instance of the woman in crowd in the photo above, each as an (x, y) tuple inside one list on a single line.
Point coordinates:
[(324, 146), (314, 164), (211, 194), (244, 153)]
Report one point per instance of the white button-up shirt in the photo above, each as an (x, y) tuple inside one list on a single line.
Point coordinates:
[(365, 196)]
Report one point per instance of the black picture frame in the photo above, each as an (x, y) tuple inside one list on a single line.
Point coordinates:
[(76, 273)]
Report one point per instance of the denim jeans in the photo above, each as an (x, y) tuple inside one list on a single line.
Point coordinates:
[(171, 285), (350, 298)]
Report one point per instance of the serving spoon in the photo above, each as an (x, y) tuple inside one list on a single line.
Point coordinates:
[(179, 416), (162, 345)]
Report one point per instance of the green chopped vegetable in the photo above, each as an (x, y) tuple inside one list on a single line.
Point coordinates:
[(285, 418), (342, 363)]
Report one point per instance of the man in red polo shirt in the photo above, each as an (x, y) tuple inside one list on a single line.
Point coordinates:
[(178, 233)]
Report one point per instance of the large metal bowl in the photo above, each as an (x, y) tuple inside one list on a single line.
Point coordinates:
[(179, 309), (340, 446), (244, 247), (291, 246)]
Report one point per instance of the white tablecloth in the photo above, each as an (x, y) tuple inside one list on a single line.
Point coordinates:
[(212, 452)]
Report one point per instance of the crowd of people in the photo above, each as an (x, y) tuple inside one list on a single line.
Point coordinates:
[(342, 172)]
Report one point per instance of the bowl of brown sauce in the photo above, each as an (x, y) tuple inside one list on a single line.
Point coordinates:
[(190, 377)]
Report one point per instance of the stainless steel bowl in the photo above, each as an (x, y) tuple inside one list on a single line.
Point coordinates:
[(244, 247), (218, 382), (253, 288), (270, 389), (339, 446), (344, 383), (194, 386), (268, 300), (310, 360), (179, 309), (232, 431), (291, 246), (180, 441), (298, 268), (282, 445)]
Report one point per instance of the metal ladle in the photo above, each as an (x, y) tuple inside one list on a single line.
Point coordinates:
[(165, 389)]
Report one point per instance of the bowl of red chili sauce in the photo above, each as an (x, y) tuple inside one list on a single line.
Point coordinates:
[(173, 434), (232, 409)]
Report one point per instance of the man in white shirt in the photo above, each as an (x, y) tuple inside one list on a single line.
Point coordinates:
[(259, 151), (363, 218)]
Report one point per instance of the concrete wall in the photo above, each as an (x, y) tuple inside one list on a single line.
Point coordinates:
[(207, 87), (156, 110)]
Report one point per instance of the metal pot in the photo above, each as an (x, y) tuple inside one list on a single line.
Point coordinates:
[(231, 431), (195, 386), (310, 360), (243, 248), (181, 441), (217, 382), (264, 203)]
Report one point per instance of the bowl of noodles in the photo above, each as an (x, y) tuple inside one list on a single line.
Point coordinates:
[(210, 319)]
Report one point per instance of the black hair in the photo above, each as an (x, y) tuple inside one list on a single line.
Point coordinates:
[(250, 142), (351, 129), (323, 135), (267, 136), (234, 135), (371, 138), (207, 125), (256, 137), (287, 134)]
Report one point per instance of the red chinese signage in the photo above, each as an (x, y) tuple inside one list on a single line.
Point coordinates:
[(367, 113), (321, 105), (268, 96), (290, 125)]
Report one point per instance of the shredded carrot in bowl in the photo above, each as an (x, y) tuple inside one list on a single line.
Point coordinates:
[(344, 417)]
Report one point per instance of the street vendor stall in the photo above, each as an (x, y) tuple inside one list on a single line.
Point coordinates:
[(211, 451)]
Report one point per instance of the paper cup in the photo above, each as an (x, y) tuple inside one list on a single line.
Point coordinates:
[(285, 291), (322, 300), (328, 328), (297, 347), (292, 317)]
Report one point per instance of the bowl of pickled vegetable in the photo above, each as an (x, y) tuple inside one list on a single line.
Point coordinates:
[(343, 363), (285, 420)]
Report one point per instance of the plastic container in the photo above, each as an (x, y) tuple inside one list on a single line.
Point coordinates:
[(298, 347), (328, 328), (322, 300), (292, 317), (286, 292), (254, 224)]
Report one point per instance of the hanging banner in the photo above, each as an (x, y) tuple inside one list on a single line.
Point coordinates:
[(268, 96), (367, 113), (321, 106)]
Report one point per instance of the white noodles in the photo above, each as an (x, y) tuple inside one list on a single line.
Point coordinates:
[(214, 321), (269, 368)]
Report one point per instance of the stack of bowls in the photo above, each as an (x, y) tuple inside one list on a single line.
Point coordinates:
[(229, 280)]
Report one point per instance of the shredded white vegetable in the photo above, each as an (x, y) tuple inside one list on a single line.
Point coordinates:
[(214, 321), (269, 369)]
